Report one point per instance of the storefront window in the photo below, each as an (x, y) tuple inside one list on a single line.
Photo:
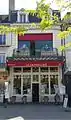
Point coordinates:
[(35, 78), (53, 81), (17, 84), (26, 69), (44, 69), (45, 83), (17, 70), (35, 69), (26, 84), (53, 69)]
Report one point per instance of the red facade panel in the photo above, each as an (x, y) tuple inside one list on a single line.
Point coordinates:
[(45, 36), (34, 63)]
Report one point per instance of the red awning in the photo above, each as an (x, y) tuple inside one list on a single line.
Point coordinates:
[(43, 36), (34, 63)]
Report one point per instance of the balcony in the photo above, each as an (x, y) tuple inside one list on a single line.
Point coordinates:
[(39, 55)]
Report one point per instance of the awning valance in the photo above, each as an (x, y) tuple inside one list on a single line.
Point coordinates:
[(34, 63)]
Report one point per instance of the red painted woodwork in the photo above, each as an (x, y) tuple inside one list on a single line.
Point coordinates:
[(45, 36), (34, 63)]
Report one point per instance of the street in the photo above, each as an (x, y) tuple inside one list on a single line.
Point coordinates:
[(34, 112)]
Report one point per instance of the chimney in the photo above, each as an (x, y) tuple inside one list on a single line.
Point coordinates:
[(11, 7)]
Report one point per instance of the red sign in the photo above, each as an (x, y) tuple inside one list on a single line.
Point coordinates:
[(34, 63)]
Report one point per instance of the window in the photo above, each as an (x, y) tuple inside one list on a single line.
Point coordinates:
[(26, 84), (17, 84), (20, 18), (53, 81), (26, 69), (2, 58), (23, 18), (17, 70), (44, 69), (24, 44), (35, 78), (35, 69), (53, 69), (2, 39), (44, 45), (44, 84)]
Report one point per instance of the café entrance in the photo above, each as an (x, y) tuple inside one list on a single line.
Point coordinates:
[(35, 92), (34, 82)]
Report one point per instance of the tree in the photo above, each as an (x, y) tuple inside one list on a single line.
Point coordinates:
[(48, 20)]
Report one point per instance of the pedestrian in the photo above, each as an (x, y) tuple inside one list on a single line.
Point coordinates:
[(5, 100), (6, 95), (62, 90), (68, 91)]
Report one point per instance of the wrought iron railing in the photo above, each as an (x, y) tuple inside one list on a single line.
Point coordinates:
[(48, 55), (38, 53)]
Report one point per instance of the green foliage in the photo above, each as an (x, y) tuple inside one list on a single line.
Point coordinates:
[(48, 21), (43, 11), (63, 34), (16, 29)]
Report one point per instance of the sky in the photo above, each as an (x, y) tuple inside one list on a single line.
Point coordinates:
[(26, 4)]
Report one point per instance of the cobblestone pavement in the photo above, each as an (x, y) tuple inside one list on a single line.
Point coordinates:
[(34, 112)]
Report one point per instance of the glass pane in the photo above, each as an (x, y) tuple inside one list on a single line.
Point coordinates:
[(53, 69), (17, 70), (41, 44), (45, 83), (2, 39), (2, 58), (23, 44), (44, 69), (26, 69), (35, 78), (53, 81), (17, 84), (26, 84), (35, 69)]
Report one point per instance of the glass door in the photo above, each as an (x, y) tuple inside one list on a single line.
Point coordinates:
[(35, 92)]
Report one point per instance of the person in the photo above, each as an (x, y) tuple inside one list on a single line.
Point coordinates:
[(5, 96), (68, 91), (62, 90), (4, 100)]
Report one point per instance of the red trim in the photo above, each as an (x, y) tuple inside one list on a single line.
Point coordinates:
[(45, 36), (34, 63)]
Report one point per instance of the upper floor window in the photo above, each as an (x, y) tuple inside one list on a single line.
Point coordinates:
[(24, 44), (2, 58), (44, 45), (2, 39), (23, 18)]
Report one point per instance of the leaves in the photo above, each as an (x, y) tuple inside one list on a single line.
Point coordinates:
[(14, 29), (64, 47), (63, 34)]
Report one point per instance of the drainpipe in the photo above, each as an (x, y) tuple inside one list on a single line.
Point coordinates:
[(63, 53)]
